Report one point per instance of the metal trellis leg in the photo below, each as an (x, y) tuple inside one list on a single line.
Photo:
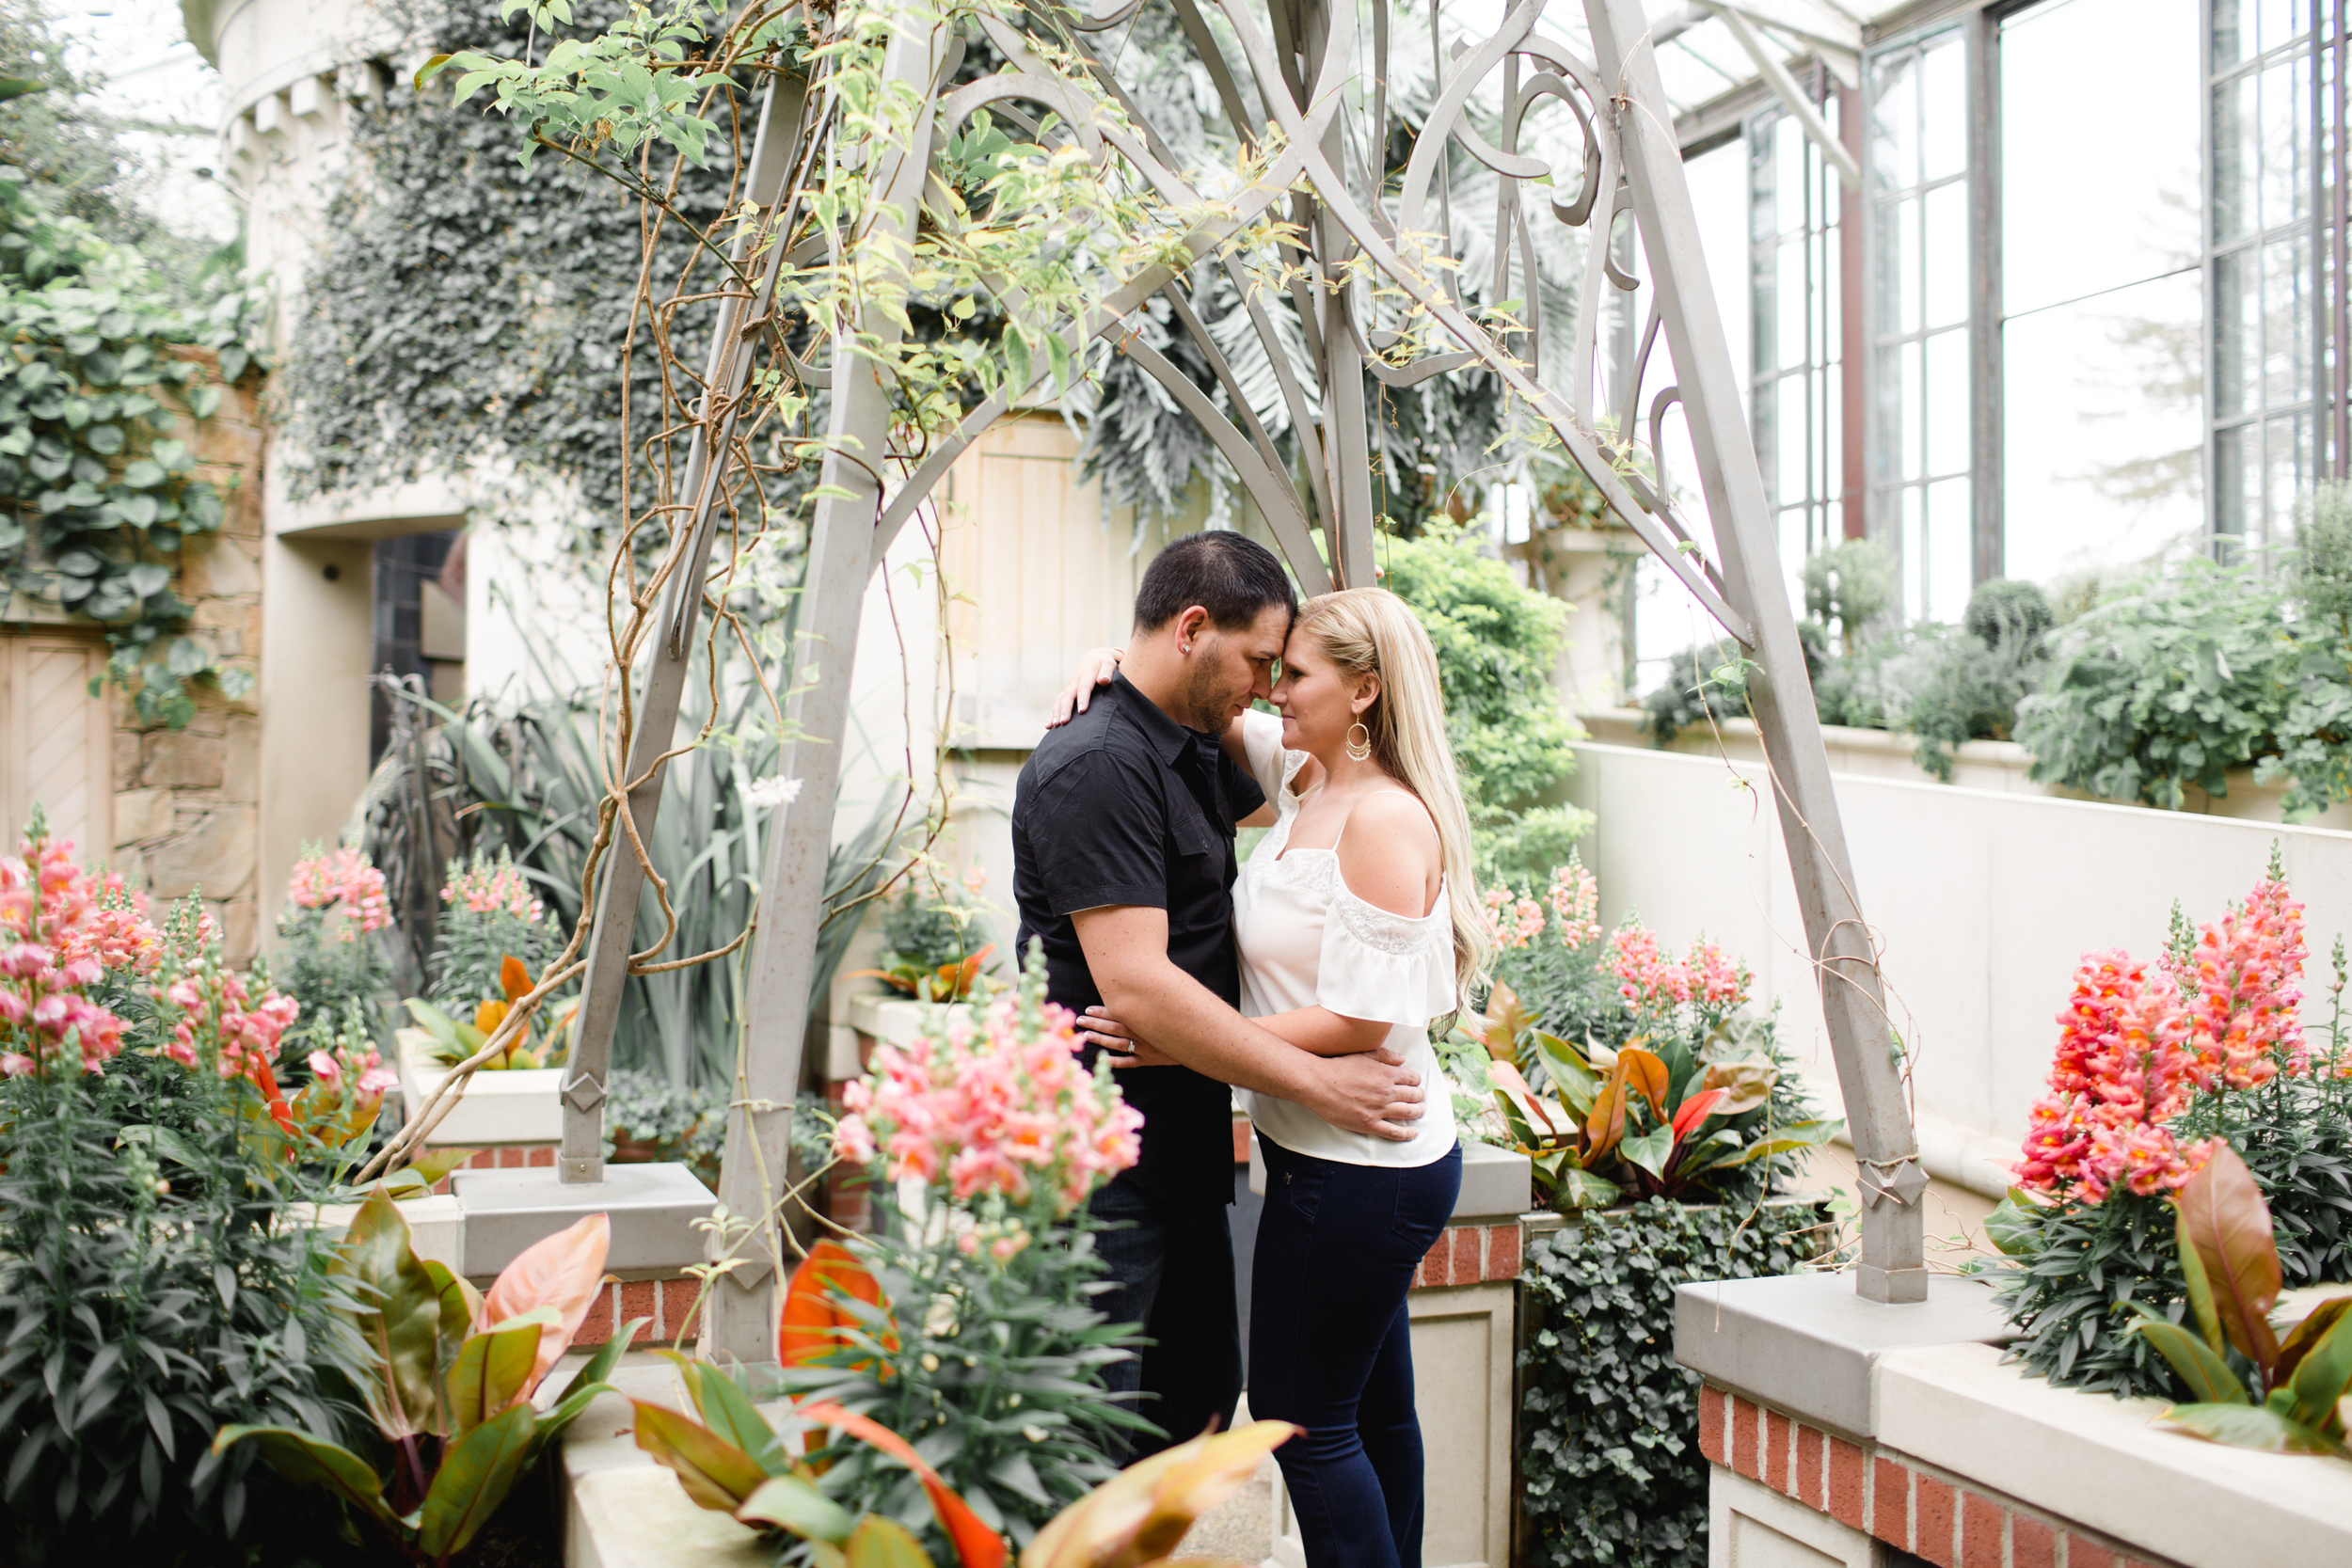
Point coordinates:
[(743, 1322), (1853, 1003), (580, 1159)]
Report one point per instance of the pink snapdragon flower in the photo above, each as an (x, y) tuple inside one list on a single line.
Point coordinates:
[(484, 887), (59, 926), (341, 883), (1574, 899), (1512, 921), (1650, 981), (2123, 1069), (2244, 982), (1004, 1107)]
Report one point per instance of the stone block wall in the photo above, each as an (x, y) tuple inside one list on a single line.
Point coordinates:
[(187, 803)]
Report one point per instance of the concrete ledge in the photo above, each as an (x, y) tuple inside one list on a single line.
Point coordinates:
[(436, 1225), (497, 1108), (653, 1208), (624, 1510), (1806, 1343), (2091, 1458), (1497, 1183)]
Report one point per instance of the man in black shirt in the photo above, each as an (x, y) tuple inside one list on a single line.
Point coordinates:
[(1122, 839)]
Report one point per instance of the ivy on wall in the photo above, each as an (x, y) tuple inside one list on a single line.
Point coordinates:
[(471, 311), (96, 491)]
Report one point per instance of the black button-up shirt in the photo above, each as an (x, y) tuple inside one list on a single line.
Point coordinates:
[(1123, 805)]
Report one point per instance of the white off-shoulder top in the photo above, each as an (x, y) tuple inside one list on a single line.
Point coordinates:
[(1306, 940)]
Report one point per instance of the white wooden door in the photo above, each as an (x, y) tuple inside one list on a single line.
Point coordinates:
[(56, 741)]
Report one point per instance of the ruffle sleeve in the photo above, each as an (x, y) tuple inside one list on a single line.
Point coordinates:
[(1271, 766), (1383, 966)]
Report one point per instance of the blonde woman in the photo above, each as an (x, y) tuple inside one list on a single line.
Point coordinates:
[(1357, 925)]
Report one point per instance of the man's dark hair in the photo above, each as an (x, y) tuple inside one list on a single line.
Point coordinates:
[(1230, 575)]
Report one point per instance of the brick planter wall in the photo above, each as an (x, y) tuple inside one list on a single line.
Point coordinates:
[(1938, 1519), (670, 1303)]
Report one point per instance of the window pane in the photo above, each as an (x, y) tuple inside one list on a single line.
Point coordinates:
[(1791, 439), (2233, 32), (2229, 480), (2287, 321), (1951, 555), (1947, 402), (1943, 109), (1914, 554), (2134, 121), (2103, 425), (1913, 428), (1886, 391), (2280, 20), (1788, 175), (1944, 249), (2237, 334), (1903, 260), (1791, 305), (2236, 156), (1895, 124), (2286, 118)]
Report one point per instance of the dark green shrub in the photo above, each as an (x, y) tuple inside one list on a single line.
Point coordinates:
[(2199, 672), (144, 1305), (1696, 691), (1608, 1423), (2321, 573), (2008, 611)]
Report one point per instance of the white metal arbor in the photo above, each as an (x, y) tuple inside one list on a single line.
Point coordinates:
[(1309, 92)]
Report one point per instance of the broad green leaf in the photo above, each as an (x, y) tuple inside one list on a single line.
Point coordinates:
[(2222, 1215), (434, 1163), (1582, 1189), (1575, 1082), (789, 1503), (1650, 1150), (307, 1461), (599, 1367), (2011, 1223), (1803, 1135), (730, 1415), (401, 1320), (2315, 1363), (716, 1474), (477, 1471), (461, 1304), (2208, 1376), (879, 1542), (2247, 1426), (2201, 1306), (489, 1375)]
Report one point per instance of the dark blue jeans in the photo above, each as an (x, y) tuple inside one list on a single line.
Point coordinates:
[(1171, 1271), (1331, 1345)]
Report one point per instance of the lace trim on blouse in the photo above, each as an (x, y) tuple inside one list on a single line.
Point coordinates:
[(1382, 930)]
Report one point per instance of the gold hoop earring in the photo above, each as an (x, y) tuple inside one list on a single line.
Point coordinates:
[(1358, 750)]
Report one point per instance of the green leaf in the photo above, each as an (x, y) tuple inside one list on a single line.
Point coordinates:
[(1016, 347), (143, 473), (789, 1503), (716, 1474), (2247, 1426), (2315, 1363), (729, 1412), (476, 1473), (879, 1542), (1574, 1081), (401, 1322), (1649, 1150), (1582, 1189), (2201, 1368), (2201, 1306), (489, 1375), (308, 1461)]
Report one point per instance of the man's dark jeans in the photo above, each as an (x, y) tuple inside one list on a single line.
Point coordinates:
[(1172, 1273)]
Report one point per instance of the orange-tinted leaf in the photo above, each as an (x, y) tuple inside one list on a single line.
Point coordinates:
[(1605, 1126), (1646, 1076), (975, 1545), (564, 1271), (1506, 1017), (513, 979), (814, 1319), (487, 1017), (1507, 1080), (2223, 1216), (1695, 1111)]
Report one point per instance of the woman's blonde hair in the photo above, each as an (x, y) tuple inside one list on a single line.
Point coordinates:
[(1369, 632)]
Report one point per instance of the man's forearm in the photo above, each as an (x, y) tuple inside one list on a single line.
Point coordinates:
[(1185, 1019)]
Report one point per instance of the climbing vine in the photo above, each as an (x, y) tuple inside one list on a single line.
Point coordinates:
[(97, 482)]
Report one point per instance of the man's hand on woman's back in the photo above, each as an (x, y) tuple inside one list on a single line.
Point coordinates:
[(1369, 1092)]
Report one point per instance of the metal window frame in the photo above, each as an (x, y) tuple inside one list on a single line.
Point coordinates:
[(1879, 522), (1826, 210), (2326, 402)]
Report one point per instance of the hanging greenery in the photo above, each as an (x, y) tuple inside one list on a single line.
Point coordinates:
[(97, 484)]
